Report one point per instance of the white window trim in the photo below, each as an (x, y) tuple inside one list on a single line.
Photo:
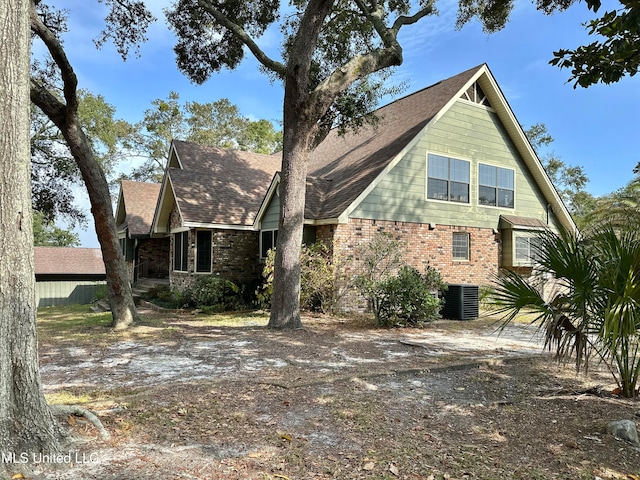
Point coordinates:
[(260, 243), (477, 199), (468, 257), (529, 262), (180, 232), (426, 180)]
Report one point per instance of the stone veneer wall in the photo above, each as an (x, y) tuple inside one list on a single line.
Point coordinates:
[(235, 257), (425, 246), (154, 257)]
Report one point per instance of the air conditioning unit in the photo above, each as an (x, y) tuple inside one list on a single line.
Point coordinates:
[(461, 302)]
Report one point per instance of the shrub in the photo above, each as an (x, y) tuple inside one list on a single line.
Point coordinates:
[(595, 307), (264, 291), (409, 298), (212, 293), (322, 282)]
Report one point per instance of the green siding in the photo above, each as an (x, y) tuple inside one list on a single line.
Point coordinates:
[(271, 215), (466, 132), (68, 292)]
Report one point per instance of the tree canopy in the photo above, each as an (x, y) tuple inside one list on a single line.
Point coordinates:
[(217, 123), (47, 234), (614, 55), (54, 172)]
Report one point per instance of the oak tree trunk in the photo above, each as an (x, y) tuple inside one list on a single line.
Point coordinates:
[(121, 302), (299, 129), (285, 301), (26, 423), (300, 123), (65, 117)]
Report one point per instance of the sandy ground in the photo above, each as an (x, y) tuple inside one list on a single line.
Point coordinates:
[(454, 400)]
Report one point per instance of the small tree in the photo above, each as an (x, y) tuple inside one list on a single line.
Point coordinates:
[(595, 309), (379, 260)]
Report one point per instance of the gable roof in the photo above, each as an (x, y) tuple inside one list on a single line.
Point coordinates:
[(68, 261), (217, 187), (212, 186), (136, 206), (342, 167)]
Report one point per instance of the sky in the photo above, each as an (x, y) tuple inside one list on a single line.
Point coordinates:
[(595, 128)]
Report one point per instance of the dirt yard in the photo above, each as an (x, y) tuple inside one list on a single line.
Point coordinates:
[(188, 399)]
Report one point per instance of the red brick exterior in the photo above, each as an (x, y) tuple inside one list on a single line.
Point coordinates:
[(424, 246), (427, 246)]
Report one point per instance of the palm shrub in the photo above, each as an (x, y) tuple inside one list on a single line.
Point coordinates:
[(594, 307)]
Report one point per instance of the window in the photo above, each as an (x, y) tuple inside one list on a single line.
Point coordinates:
[(496, 186), (268, 239), (447, 179), (203, 251), (527, 250), (180, 251), (460, 246)]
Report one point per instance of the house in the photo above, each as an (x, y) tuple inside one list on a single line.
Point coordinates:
[(66, 276), (448, 169), (146, 257)]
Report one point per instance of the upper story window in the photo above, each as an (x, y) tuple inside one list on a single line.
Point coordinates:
[(447, 179), (495, 186)]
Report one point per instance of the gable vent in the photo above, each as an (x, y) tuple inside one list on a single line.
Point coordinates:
[(475, 94)]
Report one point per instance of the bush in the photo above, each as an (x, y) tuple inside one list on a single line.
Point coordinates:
[(321, 281), (409, 298), (213, 293)]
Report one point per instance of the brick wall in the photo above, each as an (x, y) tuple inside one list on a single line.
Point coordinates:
[(235, 256), (153, 257), (425, 246)]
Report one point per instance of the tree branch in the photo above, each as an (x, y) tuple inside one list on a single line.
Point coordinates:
[(240, 33), (402, 20), (51, 106), (70, 81)]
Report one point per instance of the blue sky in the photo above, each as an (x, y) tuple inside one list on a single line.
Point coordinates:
[(596, 128)]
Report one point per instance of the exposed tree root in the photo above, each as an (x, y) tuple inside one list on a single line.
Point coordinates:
[(82, 412)]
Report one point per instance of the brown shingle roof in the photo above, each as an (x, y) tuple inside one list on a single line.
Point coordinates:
[(227, 187), (68, 261), (526, 222), (341, 167), (140, 201), (220, 186)]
